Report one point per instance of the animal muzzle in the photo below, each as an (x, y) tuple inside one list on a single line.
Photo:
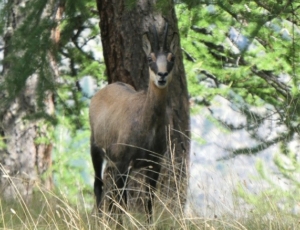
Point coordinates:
[(162, 78)]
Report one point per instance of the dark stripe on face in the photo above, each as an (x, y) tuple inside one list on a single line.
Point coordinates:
[(171, 60), (170, 66), (153, 67), (154, 57)]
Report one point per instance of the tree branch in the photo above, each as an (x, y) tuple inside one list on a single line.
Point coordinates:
[(258, 148), (272, 80)]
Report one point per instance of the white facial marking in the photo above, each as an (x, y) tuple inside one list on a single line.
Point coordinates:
[(161, 82), (161, 63)]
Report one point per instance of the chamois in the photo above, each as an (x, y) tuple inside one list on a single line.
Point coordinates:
[(128, 127)]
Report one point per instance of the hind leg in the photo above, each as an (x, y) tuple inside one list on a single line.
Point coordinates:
[(99, 166), (118, 193)]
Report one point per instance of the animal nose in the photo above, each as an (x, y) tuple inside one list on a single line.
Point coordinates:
[(162, 75)]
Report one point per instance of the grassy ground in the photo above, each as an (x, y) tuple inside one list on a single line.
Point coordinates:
[(48, 210), (57, 210)]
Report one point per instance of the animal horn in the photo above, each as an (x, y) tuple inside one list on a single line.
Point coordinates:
[(156, 41), (165, 37)]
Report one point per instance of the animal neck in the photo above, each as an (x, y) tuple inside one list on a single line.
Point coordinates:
[(155, 105)]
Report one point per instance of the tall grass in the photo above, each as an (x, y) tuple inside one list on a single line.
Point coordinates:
[(49, 209)]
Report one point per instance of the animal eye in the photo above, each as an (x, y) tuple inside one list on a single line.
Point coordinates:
[(172, 58), (150, 59)]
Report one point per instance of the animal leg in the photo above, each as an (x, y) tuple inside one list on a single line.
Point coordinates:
[(152, 177), (117, 198), (119, 195), (97, 159)]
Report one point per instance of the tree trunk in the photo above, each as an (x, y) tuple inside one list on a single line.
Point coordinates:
[(122, 28), (25, 155)]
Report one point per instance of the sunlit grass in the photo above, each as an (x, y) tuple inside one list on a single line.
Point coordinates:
[(49, 210), (55, 209)]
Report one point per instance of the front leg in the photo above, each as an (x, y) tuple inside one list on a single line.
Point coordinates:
[(151, 179)]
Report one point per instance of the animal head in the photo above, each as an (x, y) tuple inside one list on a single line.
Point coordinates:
[(161, 59)]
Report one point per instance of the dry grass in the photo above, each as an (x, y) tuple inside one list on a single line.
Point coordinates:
[(53, 210), (47, 210)]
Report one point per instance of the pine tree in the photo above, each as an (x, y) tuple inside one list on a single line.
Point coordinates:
[(27, 106), (246, 52)]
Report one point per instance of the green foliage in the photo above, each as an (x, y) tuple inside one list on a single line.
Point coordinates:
[(246, 52), (289, 168), (28, 52), (72, 169), (77, 54), (279, 199), (31, 50), (2, 144), (80, 55), (262, 72)]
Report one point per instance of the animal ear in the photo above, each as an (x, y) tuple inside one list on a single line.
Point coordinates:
[(174, 43), (146, 45)]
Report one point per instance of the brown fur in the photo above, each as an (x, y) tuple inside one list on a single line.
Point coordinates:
[(128, 127), (114, 125)]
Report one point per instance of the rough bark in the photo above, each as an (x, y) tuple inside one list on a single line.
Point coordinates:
[(122, 28), (24, 158)]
